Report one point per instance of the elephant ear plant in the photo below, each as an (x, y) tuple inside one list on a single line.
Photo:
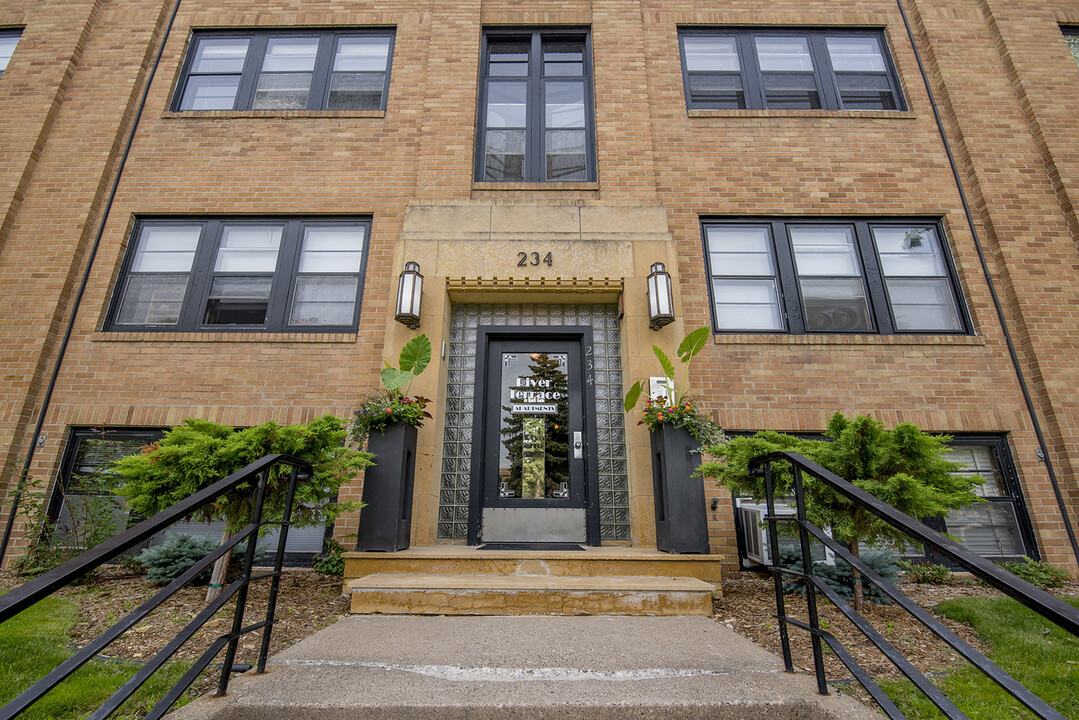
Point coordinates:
[(394, 404), (678, 410)]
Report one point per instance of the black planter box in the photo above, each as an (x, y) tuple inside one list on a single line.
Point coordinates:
[(386, 521), (681, 523)]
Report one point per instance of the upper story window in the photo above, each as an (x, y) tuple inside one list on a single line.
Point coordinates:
[(788, 69), (303, 70), (1071, 34), (257, 274), (8, 40), (535, 118), (835, 276)]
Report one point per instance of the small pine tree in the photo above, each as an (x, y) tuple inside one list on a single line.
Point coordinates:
[(198, 453), (904, 467)]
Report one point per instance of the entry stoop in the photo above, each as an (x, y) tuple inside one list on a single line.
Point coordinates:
[(471, 581), (529, 595)]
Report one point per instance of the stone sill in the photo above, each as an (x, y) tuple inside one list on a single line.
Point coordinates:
[(855, 114), (503, 186), (225, 337), (868, 339), (275, 114)]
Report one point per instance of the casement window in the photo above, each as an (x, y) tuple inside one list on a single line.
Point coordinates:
[(295, 70), (998, 528), (237, 274), (535, 119), (8, 40), (1071, 35), (788, 69), (831, 276)]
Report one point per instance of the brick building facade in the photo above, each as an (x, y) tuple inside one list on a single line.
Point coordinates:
[(536, 160)]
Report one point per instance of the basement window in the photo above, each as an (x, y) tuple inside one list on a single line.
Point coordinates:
[(831, 276), (779, 68), (302, 70), (257, 274)]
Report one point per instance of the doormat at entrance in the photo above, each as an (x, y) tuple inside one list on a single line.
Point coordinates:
[(530, 546)]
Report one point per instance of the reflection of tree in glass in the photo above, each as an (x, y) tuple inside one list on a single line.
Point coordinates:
[(538, 445)]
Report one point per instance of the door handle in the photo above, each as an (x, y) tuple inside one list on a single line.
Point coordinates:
[(578, 446)]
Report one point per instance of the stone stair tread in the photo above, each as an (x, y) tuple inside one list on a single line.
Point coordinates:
[(611, 583)]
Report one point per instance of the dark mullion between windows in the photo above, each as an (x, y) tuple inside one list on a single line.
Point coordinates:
[(789, 287), (753, 77), (535, 140), (200, 279)]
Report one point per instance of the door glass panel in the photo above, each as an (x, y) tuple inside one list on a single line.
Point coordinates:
[(533, 427)]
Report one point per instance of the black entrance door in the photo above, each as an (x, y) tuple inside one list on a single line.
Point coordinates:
[(533, 475)]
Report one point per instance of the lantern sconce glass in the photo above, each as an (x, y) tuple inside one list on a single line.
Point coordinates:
[(660, 298), (409, 290)]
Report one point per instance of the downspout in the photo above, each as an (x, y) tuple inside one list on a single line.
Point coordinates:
[(21, 486), (1031, 411)]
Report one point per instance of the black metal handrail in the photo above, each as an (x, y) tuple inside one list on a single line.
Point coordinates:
[(26, 595), (1041, 602)]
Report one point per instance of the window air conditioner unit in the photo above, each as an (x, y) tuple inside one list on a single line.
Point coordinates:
[(755, 534)]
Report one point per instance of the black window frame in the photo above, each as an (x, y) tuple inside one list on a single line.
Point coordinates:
[(318, 91), (824, 74), (9, 33), (535, 128), (1069, 32), (198, 285), (790, 296), (998, 445)]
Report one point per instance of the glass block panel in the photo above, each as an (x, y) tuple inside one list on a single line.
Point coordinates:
[(614, 522)]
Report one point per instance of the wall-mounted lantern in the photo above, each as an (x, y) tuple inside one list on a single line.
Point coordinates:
[(660, 299), (409, 290)]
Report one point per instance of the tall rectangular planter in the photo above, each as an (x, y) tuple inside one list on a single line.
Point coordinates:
[(386, 521), (681, 522)]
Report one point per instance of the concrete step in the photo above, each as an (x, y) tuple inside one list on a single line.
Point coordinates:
[(555, 668), (415, 594), (592, 561)]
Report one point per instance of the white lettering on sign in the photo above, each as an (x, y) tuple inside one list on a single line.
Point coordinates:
[(533, 409)]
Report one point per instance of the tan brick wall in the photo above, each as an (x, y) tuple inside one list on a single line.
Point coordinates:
[(1000, 71)]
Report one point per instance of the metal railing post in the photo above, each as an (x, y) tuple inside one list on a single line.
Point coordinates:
[(279, 560), (241, 595), (807, 581), (777, 576)]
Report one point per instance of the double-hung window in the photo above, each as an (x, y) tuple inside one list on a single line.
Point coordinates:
[(788, 69), (299, 70), (8, 40), (999, 527), (835, 276), (220, 274), (1071, 35), (535, 118)]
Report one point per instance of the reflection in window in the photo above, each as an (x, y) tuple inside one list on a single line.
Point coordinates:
[(534, 460)]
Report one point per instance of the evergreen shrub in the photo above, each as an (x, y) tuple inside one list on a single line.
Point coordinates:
[(839, 576)]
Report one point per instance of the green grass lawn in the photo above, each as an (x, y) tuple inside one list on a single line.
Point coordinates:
[(36, 640), (1032, 650)]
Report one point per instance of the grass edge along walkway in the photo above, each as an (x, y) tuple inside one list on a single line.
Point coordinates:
[(1031, 649), (38, 639)]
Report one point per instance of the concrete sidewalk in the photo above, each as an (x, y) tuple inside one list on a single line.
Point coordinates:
[(595, 667)]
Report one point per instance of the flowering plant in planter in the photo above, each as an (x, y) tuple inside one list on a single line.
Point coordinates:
[(677, 410), (393, 404)]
